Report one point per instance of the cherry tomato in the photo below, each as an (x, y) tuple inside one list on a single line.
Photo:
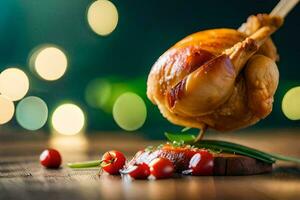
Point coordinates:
[(112, 162), (161, 168), (50, 158), (201, 164), (142, 171)]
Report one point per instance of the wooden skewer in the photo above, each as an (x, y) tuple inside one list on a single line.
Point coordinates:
[(284, 7)]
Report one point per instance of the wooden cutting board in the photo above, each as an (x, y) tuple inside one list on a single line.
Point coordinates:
[(235, 165)]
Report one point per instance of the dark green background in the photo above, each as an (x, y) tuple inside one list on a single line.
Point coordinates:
[(145, 30)]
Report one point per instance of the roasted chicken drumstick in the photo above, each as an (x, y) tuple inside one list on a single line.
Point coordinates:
[(222, 79)]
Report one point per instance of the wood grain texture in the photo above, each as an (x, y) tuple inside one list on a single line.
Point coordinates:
[(21, 176)]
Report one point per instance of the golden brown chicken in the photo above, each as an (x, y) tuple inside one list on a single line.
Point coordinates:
[(222, 79)]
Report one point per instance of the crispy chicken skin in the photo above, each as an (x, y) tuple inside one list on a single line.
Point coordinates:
[(222, 79)]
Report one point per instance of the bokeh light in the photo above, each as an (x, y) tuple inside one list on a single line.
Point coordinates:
[(103, 92), (49, 62), (130, 111), (291, 104), (32, 113), (102, 17), (7, 109), (98, 93), (68, 119), (14, 83)]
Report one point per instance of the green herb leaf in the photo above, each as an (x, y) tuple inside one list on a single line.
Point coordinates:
[(186, 138), (149, 148), (248, 150), (215, 151), (178, 143), (285, 158), (236, 148)]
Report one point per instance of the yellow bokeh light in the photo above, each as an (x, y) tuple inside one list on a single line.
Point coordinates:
[(102, 17), (291, 104), (14, 83), (68, 119), (50, 63), (7, 109)]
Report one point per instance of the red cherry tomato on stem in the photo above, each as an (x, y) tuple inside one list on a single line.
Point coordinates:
[(50, 158), (201, 164), (161, 168), (112, 162)]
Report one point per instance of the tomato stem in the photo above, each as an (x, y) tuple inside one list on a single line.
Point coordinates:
[(86, 164)]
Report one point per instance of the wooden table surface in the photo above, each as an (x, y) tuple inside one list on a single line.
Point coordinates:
[(21, 176)]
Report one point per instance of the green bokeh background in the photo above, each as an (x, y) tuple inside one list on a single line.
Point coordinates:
[(145, 30)]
